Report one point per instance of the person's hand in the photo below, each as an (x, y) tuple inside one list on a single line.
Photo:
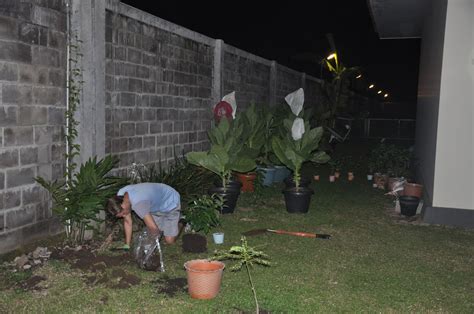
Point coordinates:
[(154, 232)]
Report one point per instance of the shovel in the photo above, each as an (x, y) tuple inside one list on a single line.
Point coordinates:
[(298, 234)]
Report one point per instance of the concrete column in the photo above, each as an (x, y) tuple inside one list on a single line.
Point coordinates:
[(88, 21), (273, 83), (217, 87)]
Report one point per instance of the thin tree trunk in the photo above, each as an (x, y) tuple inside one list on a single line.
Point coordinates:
[(253, 289)]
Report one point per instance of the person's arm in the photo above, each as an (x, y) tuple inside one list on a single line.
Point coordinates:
[(127, 227), (151, 225)]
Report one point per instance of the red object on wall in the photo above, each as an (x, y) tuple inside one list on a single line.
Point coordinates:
[(222, 109)]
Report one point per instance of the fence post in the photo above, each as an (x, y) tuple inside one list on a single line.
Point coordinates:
[(88, 23), (218, 71), (273, 83)]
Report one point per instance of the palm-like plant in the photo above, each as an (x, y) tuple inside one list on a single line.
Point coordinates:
[(336, 91), (79, 202), (245, 256)]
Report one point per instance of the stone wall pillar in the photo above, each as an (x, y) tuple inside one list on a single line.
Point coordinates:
[(218, 71), (88, 22), (273, 83)]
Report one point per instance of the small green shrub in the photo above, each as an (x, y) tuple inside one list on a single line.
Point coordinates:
[(184, 177), (202, 213)]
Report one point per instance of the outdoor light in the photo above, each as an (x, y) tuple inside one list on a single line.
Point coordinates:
[(385, 96), (331, 56), (379, 92), (371, 86), (359, 76)]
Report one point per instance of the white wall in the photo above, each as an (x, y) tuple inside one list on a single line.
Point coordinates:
[(429, 86), (454, 171)]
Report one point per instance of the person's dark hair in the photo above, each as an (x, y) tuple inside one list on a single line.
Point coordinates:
[(114, 205)]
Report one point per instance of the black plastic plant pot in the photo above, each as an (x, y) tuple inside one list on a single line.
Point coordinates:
[(290, 183), (297, 200), (233, 184), (230, 195), (408, 205)]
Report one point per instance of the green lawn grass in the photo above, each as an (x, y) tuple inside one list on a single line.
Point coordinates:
[(371, 264)]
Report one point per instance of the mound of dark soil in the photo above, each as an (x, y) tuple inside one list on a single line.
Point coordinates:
[(88, 261), (171, 286), (99, 264), (194, 243), (31, 283)]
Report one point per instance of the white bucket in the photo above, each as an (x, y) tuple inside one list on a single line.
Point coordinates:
[(218, 237)]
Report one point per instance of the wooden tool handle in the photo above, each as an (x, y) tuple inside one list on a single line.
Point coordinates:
[(298, 234), (302, 234)]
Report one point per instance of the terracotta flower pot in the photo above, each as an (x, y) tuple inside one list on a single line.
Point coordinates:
[(413, 189), (337, 174), (316, 177), (391, 182), (204, 278), (350, 176), (332, 178), (247, 180), (380, 180)]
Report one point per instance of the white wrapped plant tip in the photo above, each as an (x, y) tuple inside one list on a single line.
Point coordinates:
[(297, 130), (295, 100)]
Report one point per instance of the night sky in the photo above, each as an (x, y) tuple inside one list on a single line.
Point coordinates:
[(294, 34)]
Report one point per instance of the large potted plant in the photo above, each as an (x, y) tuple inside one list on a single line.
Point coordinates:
[(253, 139), (225, 157), (298, 145), (271, 172)]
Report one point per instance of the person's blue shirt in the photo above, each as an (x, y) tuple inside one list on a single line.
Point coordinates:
[(158, 196)]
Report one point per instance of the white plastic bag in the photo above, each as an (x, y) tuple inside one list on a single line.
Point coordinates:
[(297, 130), (230, 98), (145, 246), (295, 100)]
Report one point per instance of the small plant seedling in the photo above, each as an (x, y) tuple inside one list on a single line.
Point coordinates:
[(245, 256)]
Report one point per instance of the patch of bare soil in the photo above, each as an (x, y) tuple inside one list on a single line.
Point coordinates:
[(194, 243), (31, 283), (171, 286), (87, 261)]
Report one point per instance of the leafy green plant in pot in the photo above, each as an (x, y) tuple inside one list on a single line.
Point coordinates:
[(225, 156), (268, 165), (201, 216), (298, 145), (253, 139)]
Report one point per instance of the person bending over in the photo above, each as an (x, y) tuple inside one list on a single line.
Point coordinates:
[(156, 203)]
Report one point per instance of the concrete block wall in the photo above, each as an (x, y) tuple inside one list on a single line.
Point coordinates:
[(158, 91), (248, 76), (288, 80), (150, 86), (32, 106)]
